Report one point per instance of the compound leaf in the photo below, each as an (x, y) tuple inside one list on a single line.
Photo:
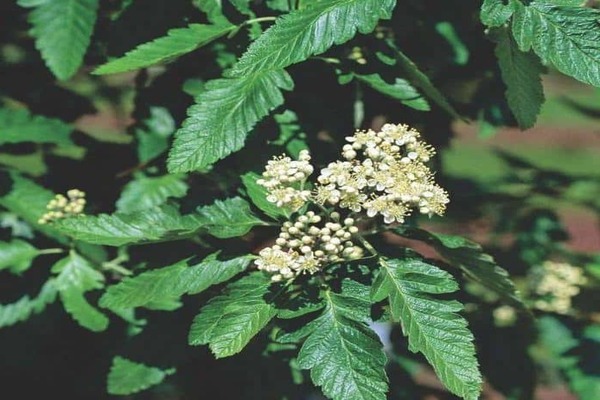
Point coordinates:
[(521, 74), (223, 115), (172, 282), (16, 255), (25, 307), (433, 326), (229, 321), (143, 192), (178, 42), (400, 90), (566, 37), (228, 218), (18, 126), (75, 277), (128, 377), (151, 225), (472, 260), (420, 80), (495, 13), (62, 30), (344, 355), (311, 30)]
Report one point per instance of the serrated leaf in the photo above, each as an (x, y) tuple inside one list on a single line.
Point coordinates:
[(172, 282), (433, 326), (25, 307), (128, 377), (400, 90), (212, 9), (258, 195), (496, 13), (344, 355), (309, 31), (82, 311), (151, 225), (229, 321), (566, 37), (521, 74), (28, 200), (223, 115), (16, 255), (75, 277), (62, 29), (143, 192), (228, 218), (472, 260), (178, 42), (420, 80), (18, 126), (571, 3)]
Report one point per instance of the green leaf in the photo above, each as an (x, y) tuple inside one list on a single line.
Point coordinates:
[(28, 200), (422, 81), (570, 3), (311, 30), (83, 312), (344, 355), (496, 13), (178, 42), (229, 321), (16, 255), (566, 37), (212, 9), (258, 195), (228, 218), (75, 277), (153, 139), (224, 113), (62, 29), (400, 90), (143, 192), (172, 282), (521, 74), (156, 224), (25, 307), (18, 126), (433, 326), (128, 377), (472, 260), (291, 136), (279, 5), (448, 32)]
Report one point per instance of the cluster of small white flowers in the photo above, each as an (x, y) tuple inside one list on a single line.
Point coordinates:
[(63, 207), (383, 173), (284, 180), (304, 247), (555, 284)]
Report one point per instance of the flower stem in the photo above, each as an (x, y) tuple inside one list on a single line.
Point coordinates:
[(368, 246), (51, 251), (116, 268)]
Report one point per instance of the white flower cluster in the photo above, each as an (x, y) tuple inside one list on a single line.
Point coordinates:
[(555, 284), (63, 207), (284, 179), (304, 247), (383, 173)]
